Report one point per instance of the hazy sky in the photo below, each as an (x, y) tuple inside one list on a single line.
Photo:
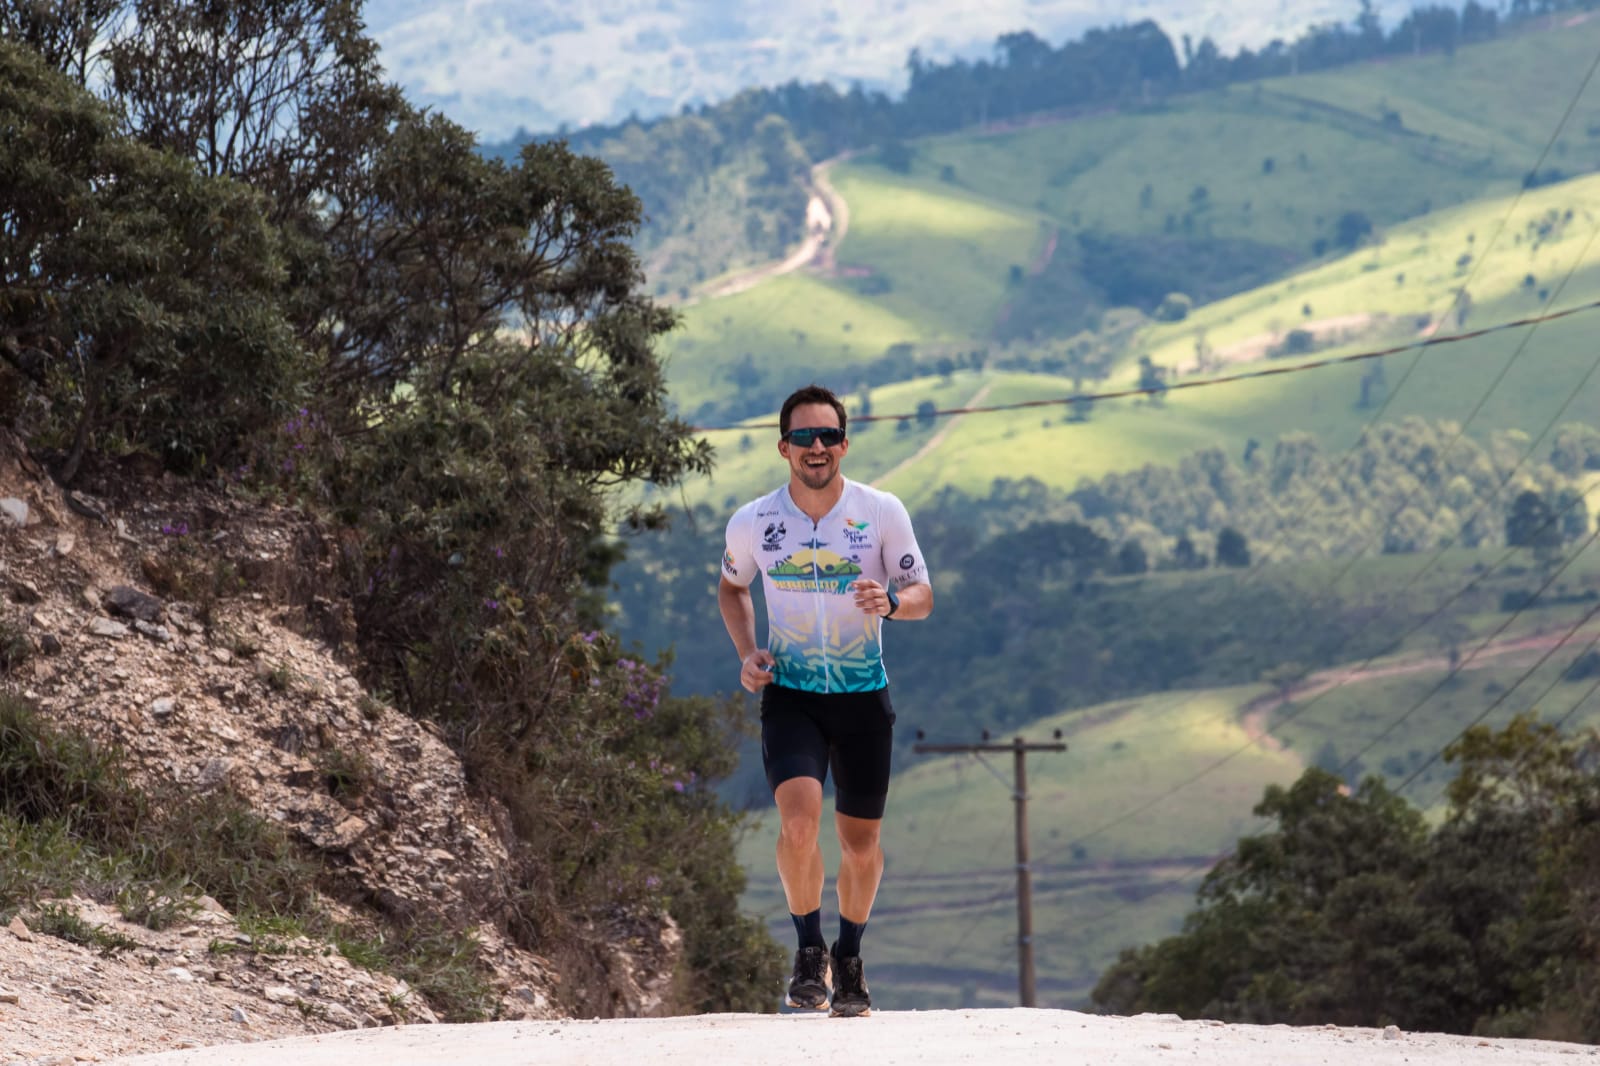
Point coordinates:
[(496, 65)]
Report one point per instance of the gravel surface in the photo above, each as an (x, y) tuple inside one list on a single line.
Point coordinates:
[(892, 1038)]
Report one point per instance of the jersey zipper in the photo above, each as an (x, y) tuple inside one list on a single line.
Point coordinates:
[(822, 617)]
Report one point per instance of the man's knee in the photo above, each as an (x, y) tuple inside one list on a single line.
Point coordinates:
[(858, 837), (800, 828), (799, 812)]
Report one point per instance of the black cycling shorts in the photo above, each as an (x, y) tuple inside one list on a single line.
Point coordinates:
[(805, 733)]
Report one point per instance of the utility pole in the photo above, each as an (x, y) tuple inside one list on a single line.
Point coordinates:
[(1019, 794)]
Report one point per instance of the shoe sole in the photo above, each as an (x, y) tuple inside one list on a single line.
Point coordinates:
[(827, 983), (788, 1002), (864, 1012)]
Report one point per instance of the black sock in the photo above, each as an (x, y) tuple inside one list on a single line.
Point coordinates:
[(809, 926), (849, 938)]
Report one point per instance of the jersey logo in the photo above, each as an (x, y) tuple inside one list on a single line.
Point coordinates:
[(728, 564), (907, 562), (856, 533), (772, 539), (813, 569)]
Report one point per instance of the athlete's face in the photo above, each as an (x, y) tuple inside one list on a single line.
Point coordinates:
[(816, 465)]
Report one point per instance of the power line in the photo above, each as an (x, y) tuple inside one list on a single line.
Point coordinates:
[(1428, 342), (1189, 875), (1561, 676), (1439, 552), (1305, 707), (1579, 624), (1229, 379)]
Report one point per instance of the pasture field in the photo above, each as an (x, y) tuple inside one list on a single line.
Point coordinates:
[(1528, 254), (941, 255), (1515, 255), (1433, 152), (1503, 99), (1504, 381), (1233, 163)]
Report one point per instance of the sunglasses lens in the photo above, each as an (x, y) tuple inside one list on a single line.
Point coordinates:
[(828, 435)]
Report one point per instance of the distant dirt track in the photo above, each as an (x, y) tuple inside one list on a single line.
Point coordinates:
[(894, 1038)]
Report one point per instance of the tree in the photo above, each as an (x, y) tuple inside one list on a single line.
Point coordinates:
[(1131, 558), (143, 299), (927, 413), (470, 342), (1152, 379), (1349, 911), (1232, 548), (1532, 524), (1174, 307), (896, 155), (1351, 229), (1186, 555)]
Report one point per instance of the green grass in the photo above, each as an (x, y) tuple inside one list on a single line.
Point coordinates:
[(794, 329), (1143, 172), (936, 246), (1415, 270), (1522, 379), (946, 253), (1503, 99)]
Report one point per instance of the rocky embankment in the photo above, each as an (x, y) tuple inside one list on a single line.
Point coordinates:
[(190, 628)]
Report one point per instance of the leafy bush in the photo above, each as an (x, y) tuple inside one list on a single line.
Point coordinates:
[(144, 312), (1349, 909)]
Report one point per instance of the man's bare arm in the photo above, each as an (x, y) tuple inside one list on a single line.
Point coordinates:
[(739, 616)]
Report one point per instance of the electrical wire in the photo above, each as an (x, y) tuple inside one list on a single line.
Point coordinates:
[(1229, 379)]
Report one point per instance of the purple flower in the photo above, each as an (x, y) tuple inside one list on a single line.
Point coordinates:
[(652, 881), (493, 605), (677, 786)]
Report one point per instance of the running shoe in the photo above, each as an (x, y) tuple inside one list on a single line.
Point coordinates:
[(808, 987), (850, 996)]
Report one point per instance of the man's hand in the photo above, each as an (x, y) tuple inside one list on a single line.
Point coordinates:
[(755, 673), (871, 597)]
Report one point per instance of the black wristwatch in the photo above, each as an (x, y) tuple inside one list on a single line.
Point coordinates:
[(894, 602)]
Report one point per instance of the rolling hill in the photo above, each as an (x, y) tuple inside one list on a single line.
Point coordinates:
[(498, 66), (1465, 220), (1218, 192)]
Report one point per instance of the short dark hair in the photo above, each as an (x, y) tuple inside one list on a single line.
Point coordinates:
[(809, 394)]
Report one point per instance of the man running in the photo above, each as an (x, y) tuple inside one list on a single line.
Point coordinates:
[(836, 558)]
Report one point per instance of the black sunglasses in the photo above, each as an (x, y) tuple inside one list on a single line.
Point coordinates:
[(830, 436)]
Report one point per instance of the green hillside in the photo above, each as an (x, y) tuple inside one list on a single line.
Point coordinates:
[(1042, 227), (1010, 245), (1374, 297)]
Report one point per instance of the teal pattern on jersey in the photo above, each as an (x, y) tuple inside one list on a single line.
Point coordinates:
[(847, 654)]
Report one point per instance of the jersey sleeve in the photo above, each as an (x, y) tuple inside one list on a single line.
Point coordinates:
[(902, 558), (738, 553)]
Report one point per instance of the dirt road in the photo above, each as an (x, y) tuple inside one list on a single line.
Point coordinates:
[(1014, 1037), (1257, 715), (827, 222)]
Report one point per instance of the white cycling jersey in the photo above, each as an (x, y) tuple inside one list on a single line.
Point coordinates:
[(822, 642)]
